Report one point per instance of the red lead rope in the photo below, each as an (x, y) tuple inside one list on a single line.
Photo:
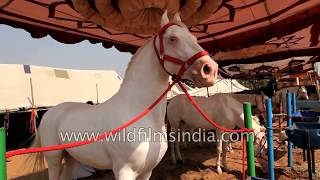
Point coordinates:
[(81, 143)]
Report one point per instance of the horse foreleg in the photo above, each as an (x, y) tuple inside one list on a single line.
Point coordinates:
[(144, 176), (182, 127), (177, 150), (175, 146), (219, 150), (125, 173), (173, 154)]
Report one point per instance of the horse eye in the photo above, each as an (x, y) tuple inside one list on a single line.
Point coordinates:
[(173, 39)]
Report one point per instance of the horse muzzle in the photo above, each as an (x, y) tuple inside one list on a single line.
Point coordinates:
[(203, 72)]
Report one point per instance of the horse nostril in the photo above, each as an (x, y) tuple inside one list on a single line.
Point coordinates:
[(206, 69)]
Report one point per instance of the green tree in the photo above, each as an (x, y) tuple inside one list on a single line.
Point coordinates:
[(254, 83)]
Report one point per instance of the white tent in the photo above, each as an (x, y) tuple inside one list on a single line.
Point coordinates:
[(24, 85), (221, 86)]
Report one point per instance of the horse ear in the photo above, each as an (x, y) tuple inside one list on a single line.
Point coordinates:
[(176, 17), (164, 18)]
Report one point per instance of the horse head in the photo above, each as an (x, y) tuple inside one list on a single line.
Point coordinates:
[(302, 93), (180, 54)]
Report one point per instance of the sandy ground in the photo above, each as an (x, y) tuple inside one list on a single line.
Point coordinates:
[(199, 164)]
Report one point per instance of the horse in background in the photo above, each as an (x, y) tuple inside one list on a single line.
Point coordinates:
[(146, 78), (257, 98), (221, 108), (279, 99)]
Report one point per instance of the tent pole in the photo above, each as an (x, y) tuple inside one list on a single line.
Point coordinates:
[(289, 123), (32, 96), (97, 90)]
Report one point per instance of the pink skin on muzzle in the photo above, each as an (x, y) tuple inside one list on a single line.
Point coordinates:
[(203, 72)]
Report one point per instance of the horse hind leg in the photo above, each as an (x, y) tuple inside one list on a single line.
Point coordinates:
[(68, 167), (218, 161), (224, 155), (55, 166), (219, 150)]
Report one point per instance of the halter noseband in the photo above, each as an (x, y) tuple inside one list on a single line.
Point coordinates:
[(162, 57)]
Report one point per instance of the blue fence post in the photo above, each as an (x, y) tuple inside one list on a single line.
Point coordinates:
[(289, 123), (270, 140)]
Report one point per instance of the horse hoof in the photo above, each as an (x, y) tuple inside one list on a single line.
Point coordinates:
[(219, 171), (179, 161)]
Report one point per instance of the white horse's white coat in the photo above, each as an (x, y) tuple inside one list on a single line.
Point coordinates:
[(144, 81), (255, 100), (301, 93), (221, 108)]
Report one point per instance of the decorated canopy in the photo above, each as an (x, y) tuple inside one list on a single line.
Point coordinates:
[(248, 38)]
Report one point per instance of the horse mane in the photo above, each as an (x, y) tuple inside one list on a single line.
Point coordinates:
[(133, 58)]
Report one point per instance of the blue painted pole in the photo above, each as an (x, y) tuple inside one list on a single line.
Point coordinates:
[(270, 140), (294, 102), (289, 123)]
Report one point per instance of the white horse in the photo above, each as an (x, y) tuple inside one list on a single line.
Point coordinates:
[(223, 109), (280, 96), (144, 81), (255, 99)]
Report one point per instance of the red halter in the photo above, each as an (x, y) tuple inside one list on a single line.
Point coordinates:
[(163, 57)]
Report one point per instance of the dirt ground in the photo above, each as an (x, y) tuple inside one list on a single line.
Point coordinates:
[(199, 164)]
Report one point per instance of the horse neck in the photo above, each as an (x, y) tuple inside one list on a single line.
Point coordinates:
[(145, 79)]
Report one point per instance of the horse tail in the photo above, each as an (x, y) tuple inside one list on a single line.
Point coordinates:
[(35, 160)]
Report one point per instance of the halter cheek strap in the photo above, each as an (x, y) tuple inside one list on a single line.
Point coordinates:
[(184, 65)]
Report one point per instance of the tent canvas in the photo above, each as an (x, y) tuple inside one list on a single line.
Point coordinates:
[(21, 85)]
